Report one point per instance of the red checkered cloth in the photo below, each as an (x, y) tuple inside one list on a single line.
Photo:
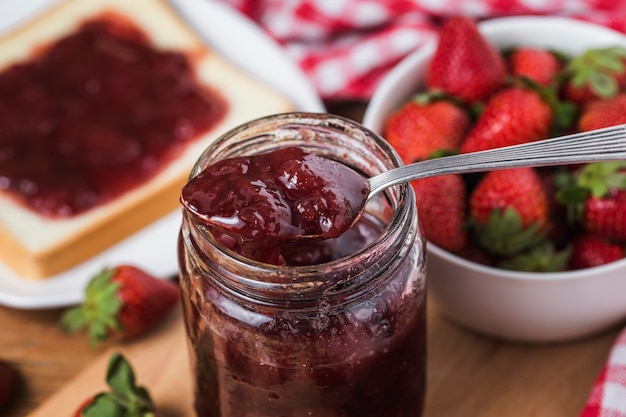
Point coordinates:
[(608, 396), (346, 46)]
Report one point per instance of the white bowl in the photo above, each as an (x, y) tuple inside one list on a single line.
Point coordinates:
[(529, 307)]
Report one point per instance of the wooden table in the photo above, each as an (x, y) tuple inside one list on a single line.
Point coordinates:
[(468, 374)]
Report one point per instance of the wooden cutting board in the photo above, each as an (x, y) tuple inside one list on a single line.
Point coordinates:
[(160, 362)]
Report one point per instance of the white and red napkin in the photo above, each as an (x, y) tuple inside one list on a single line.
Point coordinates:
[(608, 396), (346, 46)]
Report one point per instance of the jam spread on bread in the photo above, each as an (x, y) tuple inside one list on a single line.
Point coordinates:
[(96, 114)]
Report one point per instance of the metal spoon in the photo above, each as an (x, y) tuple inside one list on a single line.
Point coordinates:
[(607, 144)]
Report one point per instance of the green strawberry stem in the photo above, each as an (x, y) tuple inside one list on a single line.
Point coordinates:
[(125, 398), (98, 312), (597, 69), (601, 177), (540, 258), (594, 179), (504, 233)]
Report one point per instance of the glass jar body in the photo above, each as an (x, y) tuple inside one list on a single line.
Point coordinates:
[(343, 338)]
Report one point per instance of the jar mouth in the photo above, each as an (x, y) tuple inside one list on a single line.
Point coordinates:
[(344, 140), (247, 139)]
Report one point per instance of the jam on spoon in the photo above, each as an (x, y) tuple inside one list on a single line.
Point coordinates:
[(275, 197)]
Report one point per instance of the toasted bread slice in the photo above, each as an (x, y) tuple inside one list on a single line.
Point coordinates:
[(36, 246)]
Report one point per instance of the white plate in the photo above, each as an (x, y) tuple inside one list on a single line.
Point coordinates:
[(154, 248)]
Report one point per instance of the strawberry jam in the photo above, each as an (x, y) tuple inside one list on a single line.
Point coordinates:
[(95, 115), (337, 327), (265, 201)]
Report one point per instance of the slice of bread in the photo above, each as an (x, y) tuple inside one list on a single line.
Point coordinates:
[(36, 246)]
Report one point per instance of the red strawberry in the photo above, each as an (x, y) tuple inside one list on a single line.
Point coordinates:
[(539, 65), (465, 64), (606, 216), (596, 73), (441, 205), (9, 380), (510, 117), (121, 303), (596, 197), (509, 209), (125, 398), (603, 113), (590, 250), (416, 130)]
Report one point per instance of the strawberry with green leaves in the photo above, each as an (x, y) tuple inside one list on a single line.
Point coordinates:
[(465, 65), (603, 113), (121, 303), (596, 198), (538, 64), (512, 116), (124, 399), (509, 210), (422, 126), (597, 73), (606, 215), (441, 207), (589, 250)]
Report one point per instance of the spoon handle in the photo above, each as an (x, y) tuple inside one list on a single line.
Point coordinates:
[(607, 144)]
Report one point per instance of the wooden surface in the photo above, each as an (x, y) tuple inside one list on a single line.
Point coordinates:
[(160, 362), (468, 374)]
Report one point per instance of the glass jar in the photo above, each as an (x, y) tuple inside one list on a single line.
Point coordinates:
[(343, 338)]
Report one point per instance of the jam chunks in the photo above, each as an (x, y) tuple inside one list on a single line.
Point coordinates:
[(255, 204)]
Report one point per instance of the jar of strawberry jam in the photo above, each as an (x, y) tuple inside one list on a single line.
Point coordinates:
[(337, 327)]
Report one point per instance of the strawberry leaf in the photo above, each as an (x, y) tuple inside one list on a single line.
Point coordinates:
[(98, 312), (573, 197), (573, 194), (565, 114), (562, 177), (125, 399), (594, 179), (440, 153), (601, 177), (597, 69), (603, 84), (120, 376), (103, 405), (504, 233), (581, 77), (539, 258)]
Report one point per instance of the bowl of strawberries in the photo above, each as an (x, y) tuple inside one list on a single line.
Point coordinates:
[(526, 254)]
